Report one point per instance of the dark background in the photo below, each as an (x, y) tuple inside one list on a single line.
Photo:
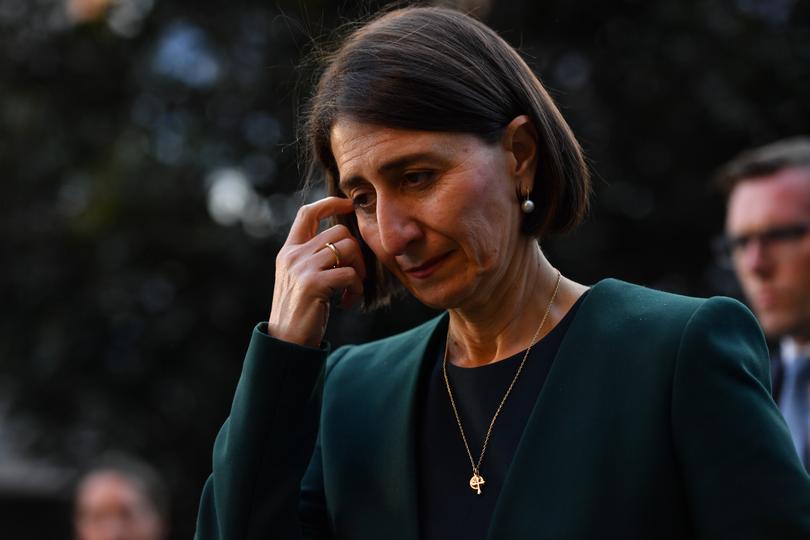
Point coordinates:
[(149, 176)]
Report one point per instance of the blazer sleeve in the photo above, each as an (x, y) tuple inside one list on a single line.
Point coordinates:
[(742, 474), (263, 448)]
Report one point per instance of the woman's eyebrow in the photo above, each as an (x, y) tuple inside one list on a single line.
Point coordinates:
[(388, 167), (402, 162), (347, 184)]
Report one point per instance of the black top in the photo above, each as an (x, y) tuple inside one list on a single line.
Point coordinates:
[(448, 507)]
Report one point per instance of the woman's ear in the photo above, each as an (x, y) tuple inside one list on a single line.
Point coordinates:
[(520, 141)]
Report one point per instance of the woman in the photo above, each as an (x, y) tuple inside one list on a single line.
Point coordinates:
[(534, 407)]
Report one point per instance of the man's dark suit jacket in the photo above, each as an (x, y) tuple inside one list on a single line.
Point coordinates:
[(777, 376), (655, 422)]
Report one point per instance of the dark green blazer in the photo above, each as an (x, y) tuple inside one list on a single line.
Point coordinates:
[(655, 422)]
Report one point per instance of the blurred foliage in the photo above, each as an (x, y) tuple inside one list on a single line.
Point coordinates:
[(149, 150)]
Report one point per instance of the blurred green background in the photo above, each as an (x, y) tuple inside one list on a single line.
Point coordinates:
[(150, 175)]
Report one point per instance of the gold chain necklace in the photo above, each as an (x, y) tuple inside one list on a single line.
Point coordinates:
[(476, 481)]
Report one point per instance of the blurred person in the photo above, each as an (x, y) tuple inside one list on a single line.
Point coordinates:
[(121, 499), (87, 10), (533, 406), (768, 237)]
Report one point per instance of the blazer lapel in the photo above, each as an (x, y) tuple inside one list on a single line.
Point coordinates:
[(537, 476), (402, 387), (380, 442)]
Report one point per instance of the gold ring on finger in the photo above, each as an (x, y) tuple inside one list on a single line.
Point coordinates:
[(335, 252)]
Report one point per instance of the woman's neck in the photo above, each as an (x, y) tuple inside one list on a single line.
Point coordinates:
[(503, 324)]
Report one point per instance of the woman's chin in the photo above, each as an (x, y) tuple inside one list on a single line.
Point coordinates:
[(440, 298)]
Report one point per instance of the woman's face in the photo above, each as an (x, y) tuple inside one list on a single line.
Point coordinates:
[(439, 210)]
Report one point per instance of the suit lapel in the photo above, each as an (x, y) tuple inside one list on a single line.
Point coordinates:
[(777, 376)]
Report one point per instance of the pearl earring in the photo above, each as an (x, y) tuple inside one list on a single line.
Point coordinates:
[(527, 206)]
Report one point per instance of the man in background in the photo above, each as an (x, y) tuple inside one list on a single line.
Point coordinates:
[(121, 499), (768, 237)]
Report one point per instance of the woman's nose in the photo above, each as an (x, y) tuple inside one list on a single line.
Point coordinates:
[(397, 226)]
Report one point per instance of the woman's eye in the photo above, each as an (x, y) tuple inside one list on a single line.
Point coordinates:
[(362, 201), (418, 178)]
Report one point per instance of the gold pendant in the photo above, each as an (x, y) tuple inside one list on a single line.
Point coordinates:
[(476, 482)]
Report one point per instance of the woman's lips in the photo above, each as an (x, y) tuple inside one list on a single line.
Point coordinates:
[(427, 268)]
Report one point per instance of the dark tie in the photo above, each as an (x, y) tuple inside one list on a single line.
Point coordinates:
[(795, 406)]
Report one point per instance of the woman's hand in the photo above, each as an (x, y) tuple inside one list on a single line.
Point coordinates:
[(307, 276)]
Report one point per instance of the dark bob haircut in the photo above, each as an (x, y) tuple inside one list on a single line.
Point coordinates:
[(436, 69)]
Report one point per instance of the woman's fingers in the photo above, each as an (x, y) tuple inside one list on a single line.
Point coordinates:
[(349, 280), (345, 254), (311, 268), (309, 217), (344, 251)]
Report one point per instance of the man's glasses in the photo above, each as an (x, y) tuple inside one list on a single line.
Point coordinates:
[(772, 238)]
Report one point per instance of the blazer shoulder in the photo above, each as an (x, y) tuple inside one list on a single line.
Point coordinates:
[(678, 305), (625, 302), (627, 311), (725, 323), (638, 334)]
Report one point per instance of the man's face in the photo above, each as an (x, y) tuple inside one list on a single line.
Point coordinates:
[(110, 507), (768, 217)]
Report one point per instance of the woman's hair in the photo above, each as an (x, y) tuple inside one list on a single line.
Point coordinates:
[(436, 69)]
